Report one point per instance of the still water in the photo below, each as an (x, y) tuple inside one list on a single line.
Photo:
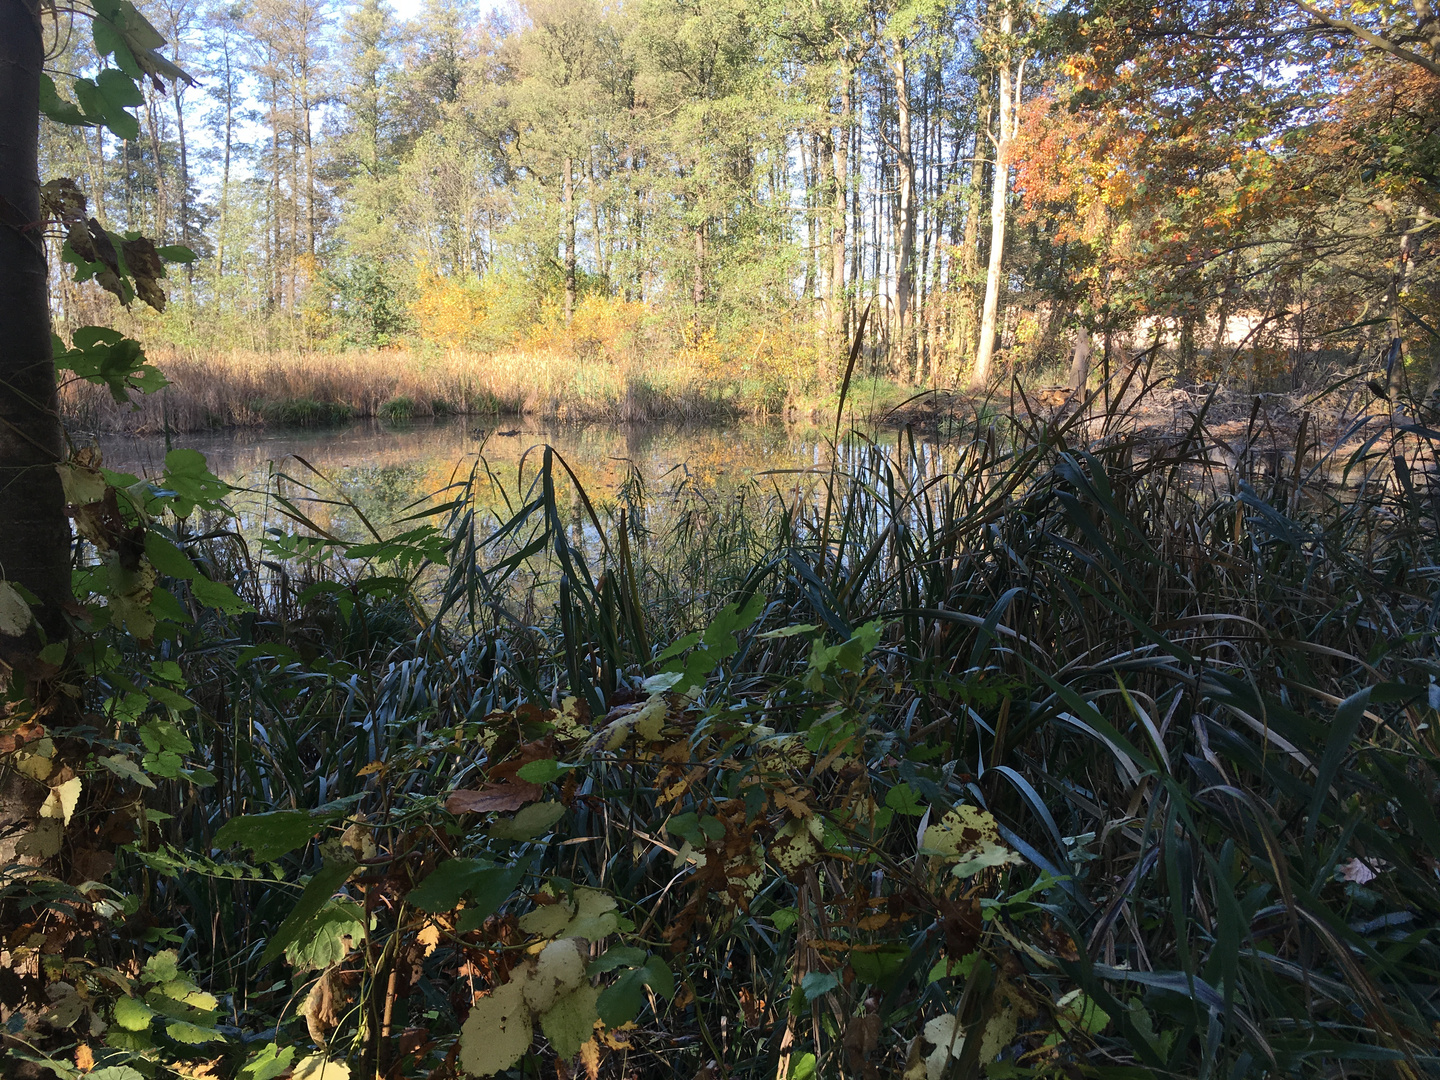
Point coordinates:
[(388, 471)]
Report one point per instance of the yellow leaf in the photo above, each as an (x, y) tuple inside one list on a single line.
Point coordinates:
[(60, 803)]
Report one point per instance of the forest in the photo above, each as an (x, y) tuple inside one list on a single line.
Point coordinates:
[(1051, 693), (707, 198)]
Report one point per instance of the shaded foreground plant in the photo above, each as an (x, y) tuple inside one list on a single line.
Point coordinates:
[(1015, 756)]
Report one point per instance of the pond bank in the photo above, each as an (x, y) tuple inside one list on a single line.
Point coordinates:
[(240, 389)]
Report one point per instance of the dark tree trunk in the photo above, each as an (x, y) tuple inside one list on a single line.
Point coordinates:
[(34, 532)]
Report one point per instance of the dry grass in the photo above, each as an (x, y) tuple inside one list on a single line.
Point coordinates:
[(243, 388)]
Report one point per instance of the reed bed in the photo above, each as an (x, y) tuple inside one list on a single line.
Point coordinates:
[(241, 389)]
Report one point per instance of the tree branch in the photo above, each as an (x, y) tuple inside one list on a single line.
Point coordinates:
[(1368, 36)]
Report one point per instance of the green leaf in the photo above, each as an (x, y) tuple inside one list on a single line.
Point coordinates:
[(534, 820), (328, 936), (108, 358), (268, 1063), (322, 886), (163, 967), (191, 1034), (132, 1014), (126, 769), (621, 1001), (488, 886), (57, 108), (570, 1022), (617, 956), (879, 967), (188, 475), (659, 977), (817, 984), (541, 772), (215, 594), (904, 799), (176, 253), (268, 836)]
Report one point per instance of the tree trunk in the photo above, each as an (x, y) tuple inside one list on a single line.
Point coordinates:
[(1080, 361), (964, 331), (34, 532), (999, 190), (225, 177), (699, 283), (840, 170), (1395, 353), (905, 242), (184, 179), (162, 198), (567, 199)]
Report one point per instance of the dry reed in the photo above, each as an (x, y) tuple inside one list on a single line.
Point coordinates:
[(243, 388)]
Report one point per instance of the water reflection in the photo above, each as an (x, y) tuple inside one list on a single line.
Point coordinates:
[(387, 471)]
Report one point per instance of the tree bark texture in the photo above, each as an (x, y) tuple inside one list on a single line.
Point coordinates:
[(34, 532)]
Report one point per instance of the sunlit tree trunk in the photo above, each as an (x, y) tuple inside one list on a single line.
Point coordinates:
[(999, 192), (1394, 354), (840, 177), (963, 336), (567, 200), (905, 211), (1080, 361)]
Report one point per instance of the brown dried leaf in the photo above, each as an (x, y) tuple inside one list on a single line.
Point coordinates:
[(511, 795)]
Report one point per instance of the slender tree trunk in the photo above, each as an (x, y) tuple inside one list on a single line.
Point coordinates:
[(225, 175), (698, 294), (964, 333), (1080, 361), (985, 351), (1394, 355), (310, 225), (162, 198), (276, 289), (567, 198), (840, 174), (595, 221), (905, 223), (184, 178), (34, 532)]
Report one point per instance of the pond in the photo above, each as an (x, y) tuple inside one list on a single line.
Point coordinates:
[(387, 471)]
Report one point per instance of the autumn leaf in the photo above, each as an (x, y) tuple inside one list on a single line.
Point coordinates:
[(493, 798)]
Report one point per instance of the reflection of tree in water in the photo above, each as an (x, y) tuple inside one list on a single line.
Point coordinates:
[(662, 477)]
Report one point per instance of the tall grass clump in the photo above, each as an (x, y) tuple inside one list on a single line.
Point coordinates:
[(1036, 753)]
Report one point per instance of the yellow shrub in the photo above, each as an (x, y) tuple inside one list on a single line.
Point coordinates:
[(450, 312), (601, 327)]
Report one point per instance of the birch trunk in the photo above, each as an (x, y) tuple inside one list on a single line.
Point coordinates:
[(999, 191)]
